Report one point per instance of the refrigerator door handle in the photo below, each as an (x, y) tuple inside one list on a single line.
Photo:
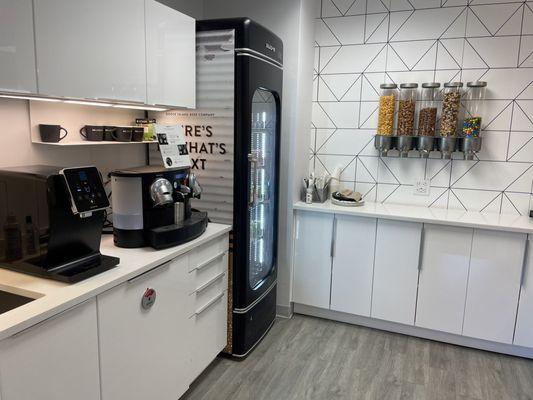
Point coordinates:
[(253, 159)]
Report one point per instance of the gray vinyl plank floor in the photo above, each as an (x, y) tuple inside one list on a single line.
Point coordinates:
[(311, 358)]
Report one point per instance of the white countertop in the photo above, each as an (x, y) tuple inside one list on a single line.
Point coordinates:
[(492, 221), (55, 297)]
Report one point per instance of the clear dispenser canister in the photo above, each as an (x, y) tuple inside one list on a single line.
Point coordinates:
[(406, 109), (451, 103), (387, 104), (427, 118), (473, 108)]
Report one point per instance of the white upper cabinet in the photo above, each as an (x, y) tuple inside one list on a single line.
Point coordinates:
[(170, 56), (396, 271), (494, 285), (353, 264), (312, 259), (56, 359), (443, 278), (91, 49), (17, 50), (524, 322)]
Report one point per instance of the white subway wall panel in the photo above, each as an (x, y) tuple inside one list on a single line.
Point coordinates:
[(17, 47), (312, 259), (494, 285), (524, 321), (170, 56), (396, 271), (91, 49), (443, 278), (353, 264)]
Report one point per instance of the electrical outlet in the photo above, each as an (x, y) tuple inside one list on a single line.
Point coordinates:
[(422, 187)]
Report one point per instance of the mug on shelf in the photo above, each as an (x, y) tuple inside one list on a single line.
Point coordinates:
[(52, 133), (92, 133), (108, 133), (123, 133), (137, 134)]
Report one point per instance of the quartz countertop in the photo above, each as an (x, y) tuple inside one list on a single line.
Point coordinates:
[(491, 221), (54, 297)]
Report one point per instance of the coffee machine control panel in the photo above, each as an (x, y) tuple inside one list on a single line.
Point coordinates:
[(86, 189)]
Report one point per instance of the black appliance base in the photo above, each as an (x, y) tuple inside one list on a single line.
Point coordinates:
[(71, 273), (174, 235), (250, 327)]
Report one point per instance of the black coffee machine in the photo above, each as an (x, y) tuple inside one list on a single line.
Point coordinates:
[(151, 207), (53, 220)]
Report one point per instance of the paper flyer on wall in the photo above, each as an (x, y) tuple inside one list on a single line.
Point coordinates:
[(172, 145)]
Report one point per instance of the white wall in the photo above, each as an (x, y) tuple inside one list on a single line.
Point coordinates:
[(424, 41), (292, 21), (193, 8)]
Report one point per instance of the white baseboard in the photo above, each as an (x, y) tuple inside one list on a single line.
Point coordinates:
[(283, 311), (414, 331)]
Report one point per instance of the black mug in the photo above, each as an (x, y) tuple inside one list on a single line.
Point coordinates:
[(123, 133), (52, 133), (92, 133), (108, 133), (137, 134)]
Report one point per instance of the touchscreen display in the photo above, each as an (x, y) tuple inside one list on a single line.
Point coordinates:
[(86, 188)]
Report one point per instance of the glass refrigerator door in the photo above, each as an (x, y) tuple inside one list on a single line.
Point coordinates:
[(262, 187)]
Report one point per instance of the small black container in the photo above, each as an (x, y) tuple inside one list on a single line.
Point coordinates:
[(137, 134), (123, 133), (108, 133), (92, 133), (52, 133)]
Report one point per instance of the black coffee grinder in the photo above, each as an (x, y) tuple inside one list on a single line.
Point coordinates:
[(152, 207)]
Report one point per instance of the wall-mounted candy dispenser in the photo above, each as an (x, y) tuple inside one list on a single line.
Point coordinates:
[(406, 118), (451, 104), (471, 127), (387, 106), (427, 118)]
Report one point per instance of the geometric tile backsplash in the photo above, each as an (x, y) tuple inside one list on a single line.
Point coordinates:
[(363, 43)]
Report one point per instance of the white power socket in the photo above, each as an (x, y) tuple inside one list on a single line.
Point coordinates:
[(422, 187)]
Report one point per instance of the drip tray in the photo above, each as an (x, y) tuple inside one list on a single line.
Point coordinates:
[(10, 301)]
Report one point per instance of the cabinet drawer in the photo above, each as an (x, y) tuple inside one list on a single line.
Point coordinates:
[(206, 292), (204, 255), (208, 271), (209, 332)]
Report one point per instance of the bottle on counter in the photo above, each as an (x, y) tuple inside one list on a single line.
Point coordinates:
[(473, 108), (387, 105), (13, 237), (406, 109), (451, 104), (429, 107)]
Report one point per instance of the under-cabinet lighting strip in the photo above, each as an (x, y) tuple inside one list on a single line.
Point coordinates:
[(83, 102)]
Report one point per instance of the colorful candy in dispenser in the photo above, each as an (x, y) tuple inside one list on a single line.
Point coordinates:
[(473, 108)]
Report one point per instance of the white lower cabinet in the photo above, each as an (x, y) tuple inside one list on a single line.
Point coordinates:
[(353, 264), (494, 285), (145, 352), (443, 278), (396, 271), (524, 321), (312, 259), (54, 360)]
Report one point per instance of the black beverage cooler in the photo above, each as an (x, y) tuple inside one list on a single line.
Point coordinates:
[(257, 123)]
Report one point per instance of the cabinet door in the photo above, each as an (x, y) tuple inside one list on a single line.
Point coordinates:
[(396, 271), (53, 360), (144, 353), (524, 322), (17, 49), (91, 49), (170, 56), (443, 278), (494, 285), (353, 264), (312, 259)]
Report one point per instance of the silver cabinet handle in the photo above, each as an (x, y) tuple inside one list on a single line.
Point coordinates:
[(209, 283), (525, 263), (421, 251), (208, 305), (150, 272), (206, 263), (136, 102), (333, 237)]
